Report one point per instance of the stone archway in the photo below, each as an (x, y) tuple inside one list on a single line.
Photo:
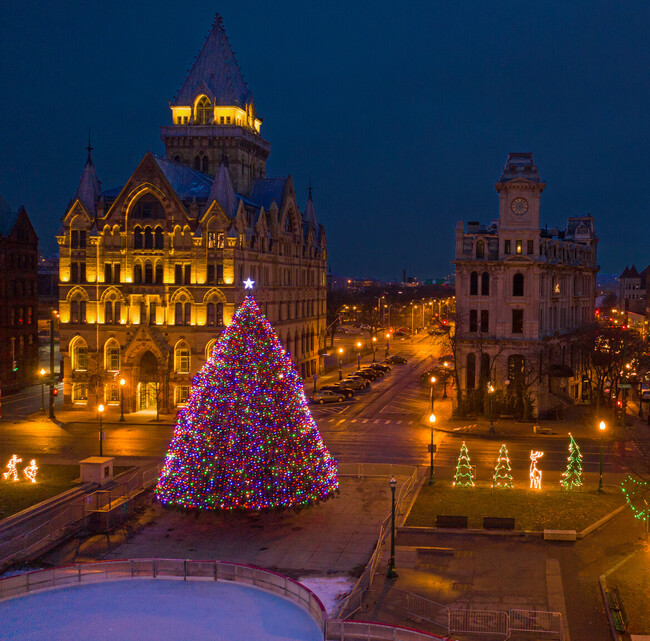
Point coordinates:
[(148, 382)]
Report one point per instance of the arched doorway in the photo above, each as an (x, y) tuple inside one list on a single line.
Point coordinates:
[(148, 382)]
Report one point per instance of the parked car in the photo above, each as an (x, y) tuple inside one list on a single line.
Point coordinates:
[(645, 392), (326, 396), (370, 375), (446, 361), (339, 389), (381, 366), (374, 370), (396, 359), (355, 383)]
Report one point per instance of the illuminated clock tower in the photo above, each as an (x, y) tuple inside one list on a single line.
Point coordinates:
[(520, 189), (214, 117)]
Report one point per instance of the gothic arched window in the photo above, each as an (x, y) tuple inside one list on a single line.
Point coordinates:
[(203, 111), (137, 238), (485, 284), (158, 238)]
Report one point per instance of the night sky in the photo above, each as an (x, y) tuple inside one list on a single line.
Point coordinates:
[(403, 113)]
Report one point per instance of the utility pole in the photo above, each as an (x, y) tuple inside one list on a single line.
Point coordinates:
[(52, 379)]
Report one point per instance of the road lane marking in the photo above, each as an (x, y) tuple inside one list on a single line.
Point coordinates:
[(376, 421), (354, 420), (387, 422), (410, 422), (399, 422), (365, 420)]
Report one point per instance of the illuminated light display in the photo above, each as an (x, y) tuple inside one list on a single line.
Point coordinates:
[(637, 495), (572, 476), (30, 471), (12, 470), (502, 471), (463, 476), (535, 474), (246, 439)]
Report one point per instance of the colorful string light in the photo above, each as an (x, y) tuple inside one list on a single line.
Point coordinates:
[(12, 470), (502, 470), (246, 439), (535, 473), (463, 476), (637, 495), (572, 476)]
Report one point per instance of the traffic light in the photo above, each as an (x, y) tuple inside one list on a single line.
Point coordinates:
[(54, 391)]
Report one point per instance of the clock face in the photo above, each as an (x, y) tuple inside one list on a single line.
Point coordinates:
[(519, 206)]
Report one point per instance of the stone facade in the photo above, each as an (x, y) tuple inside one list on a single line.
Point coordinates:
[(151, 273), (522, 293), (632, 290), (18, 299)]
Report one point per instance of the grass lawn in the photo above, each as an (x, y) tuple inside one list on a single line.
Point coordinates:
[(50, 481), (554, 509), (632, 580)]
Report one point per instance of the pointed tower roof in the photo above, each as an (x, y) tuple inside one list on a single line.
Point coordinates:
[(520, 165), (222, 190), (216, 73), (89, 186), (310, 212)]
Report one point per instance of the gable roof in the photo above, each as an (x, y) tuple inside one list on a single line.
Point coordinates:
[(222, 190), (216, 73), (188, 183)]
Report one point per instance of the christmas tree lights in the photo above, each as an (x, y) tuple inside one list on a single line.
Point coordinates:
[(463, 476), (572, 476), (246, 439), (637, 495), (502, 470)]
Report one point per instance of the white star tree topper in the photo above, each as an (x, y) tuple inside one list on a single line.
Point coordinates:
[(248, 283)]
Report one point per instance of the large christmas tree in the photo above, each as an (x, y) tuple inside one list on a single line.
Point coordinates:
[(246, 439), (572, 476)]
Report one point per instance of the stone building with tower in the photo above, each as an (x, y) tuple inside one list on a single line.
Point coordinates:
[(18, 299), (151, 272), (523, 293)]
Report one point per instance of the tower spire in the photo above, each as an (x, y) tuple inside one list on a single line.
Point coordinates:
[(89, 148)]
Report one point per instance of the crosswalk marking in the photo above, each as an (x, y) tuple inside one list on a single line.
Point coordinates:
[(354, 420), (410, 422), (399, 422), (386, 422), (365, 420), (376, 421)]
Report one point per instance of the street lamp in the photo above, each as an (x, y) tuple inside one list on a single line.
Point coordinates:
[(42, 373), (490, 393), (100, 409), (602, 427), (122, 384), (432, 420), (53, 316), (358, 355), (433, 382), (392, 572), (340, 351), (374, 348), (387, 344)]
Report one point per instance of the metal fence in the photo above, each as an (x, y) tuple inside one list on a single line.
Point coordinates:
[(511, 624), (338, 630), (180, 569), (354, 601), (70, 517)]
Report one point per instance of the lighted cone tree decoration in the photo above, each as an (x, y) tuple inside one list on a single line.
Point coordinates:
[(637, 495), (463, 476), (246, 439), (502, 470), (572, 476)]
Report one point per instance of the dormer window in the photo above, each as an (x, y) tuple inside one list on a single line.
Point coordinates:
[(203, 109), (480, 249), (148, 207)]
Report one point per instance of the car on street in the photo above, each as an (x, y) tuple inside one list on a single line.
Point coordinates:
[(339, 389), (380, 366), (446, 361), (326, 396), (374, 370), (645, 392), (355, 383), (367, 374), (396, 359)]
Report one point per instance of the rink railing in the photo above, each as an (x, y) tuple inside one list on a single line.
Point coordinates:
[(179, 569)]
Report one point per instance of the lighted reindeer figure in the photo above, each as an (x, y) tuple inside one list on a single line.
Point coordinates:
[(535, 474)]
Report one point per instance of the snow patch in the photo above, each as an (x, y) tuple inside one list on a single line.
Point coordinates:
[(331, 590)]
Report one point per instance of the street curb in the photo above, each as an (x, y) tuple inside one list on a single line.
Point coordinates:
[(602, 582), (594, 526)]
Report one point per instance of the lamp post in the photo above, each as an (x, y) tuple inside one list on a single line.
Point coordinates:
[(340, 351), (602, 427), (122, 384), (413, 307), (490, 393), (387, 344), (392, 572), (433, 382), (100, 409), (42, 373), (374, 348), (53, 315), (358, 355), (432, 420)]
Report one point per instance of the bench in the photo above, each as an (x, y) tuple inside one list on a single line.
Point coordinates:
[(617, 610), (443, 520), (560, 535), (498, 523), (538, 429)]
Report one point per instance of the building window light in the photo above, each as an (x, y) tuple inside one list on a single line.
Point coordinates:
[(518, 246)]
